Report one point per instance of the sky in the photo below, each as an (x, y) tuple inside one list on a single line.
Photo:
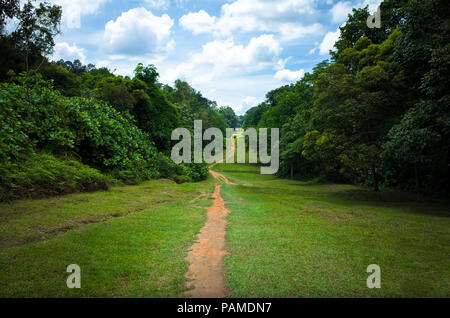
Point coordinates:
[(233, 51)]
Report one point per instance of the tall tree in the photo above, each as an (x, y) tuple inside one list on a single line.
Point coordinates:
[(418, 147), (36, 29), (356, 103), (392, 16)]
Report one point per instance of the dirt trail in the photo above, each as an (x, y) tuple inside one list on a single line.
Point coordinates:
[(219, 177), (206, 272)]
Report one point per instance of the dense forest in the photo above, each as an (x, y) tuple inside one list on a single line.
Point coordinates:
[(69, 127), (378, 112), (375, 114)]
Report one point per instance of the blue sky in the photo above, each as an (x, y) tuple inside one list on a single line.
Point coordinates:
[(233, 51)]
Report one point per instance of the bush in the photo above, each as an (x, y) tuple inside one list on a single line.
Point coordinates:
[(127, 177), (45, 175), (181, 172), (34, 116)]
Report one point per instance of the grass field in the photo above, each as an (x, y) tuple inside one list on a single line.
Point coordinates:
[(298, 239), (128, 242), (284, 239)]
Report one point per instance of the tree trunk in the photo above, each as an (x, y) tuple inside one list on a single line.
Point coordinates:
[(292, 172), (374, 179)]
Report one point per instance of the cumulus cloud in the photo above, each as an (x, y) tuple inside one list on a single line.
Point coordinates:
[(340, 11), (328, 41), (68, 52), (74, 9), (292, 31), (261, 52), (225, 71), (138, 32), (289, 76), (251, 101), (198, 22), (281, 16)]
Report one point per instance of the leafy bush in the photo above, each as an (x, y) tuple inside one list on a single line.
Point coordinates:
[(34, 116), (45, 175), (126, 176), (181, 172)]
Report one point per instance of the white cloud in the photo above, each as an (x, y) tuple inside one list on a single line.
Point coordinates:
[(74, 9), (292, 31), (68, 52), (198, 22), (251, 101), (281, 16), (340, 11), (261, 52), (224, 70), (224, 57), (328, 42), (245, 104), (289, 76), (158, 4), (138, 32)]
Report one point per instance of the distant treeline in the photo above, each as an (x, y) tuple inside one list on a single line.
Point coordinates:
[(67, 127), (378, 113)]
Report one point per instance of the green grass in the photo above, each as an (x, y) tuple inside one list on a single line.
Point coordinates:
[(298, 239), (284, 239), (129, 242)]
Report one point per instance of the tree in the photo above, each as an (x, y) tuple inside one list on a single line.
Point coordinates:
[(194, 106), (8, 10), (253, 116), (418, 147), (63, 80), (230, 117), (37, 26), (392, 16), (356, 103), (153, 112)]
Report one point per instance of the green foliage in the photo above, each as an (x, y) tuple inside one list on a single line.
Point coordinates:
[(64, 81), (36, 28), (417, 149), (45, 175), (379, 113), (253, 115), (230, 117), (39, 116), (35, 117), (392, 15), (181, 172), (193, 106)]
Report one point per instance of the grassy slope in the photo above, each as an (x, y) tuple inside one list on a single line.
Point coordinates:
[(139, 254), (294, 239)]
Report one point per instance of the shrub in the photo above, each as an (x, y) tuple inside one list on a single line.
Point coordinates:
[(45, 175), (34, 116), (181, 172)]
